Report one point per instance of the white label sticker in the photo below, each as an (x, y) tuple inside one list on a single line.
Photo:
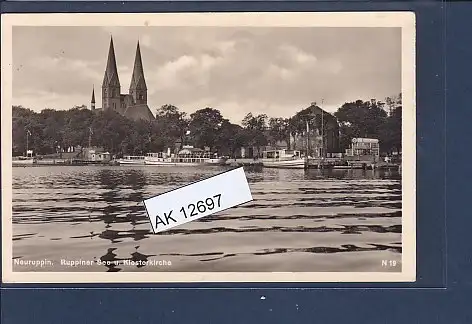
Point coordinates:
[(198, 199)]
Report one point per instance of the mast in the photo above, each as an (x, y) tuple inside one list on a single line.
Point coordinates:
[(307, 137), (322, 131), (27, 135), (90, 137)]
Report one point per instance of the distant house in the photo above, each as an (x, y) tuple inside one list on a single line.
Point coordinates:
[(99, 156), (363, 148), (96, 154), (313, 141), (320, 141)]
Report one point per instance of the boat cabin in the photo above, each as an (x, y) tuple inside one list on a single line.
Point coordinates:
[(133, 158), (281, 154), (190, 154), (160, 155)]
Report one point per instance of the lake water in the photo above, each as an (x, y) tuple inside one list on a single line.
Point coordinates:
[(300, 220)]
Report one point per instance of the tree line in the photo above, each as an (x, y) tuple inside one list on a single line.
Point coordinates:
[(51, 131)]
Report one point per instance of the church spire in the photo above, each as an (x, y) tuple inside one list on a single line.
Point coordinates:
[(92, 102), (138, 88), (137, 80), (111, 72)]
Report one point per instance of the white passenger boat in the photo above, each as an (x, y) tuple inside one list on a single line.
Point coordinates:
[(131, 160), (286, 159), (215, 161), (27, 160), (188, 156), (22, 161)]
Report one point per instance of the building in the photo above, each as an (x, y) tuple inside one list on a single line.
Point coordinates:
[(97, 154), (318, 141), (362, 148), (132, 105), (322, 140)]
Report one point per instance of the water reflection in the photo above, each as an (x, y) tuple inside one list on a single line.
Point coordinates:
[(98, 212), (115, 182), (344, 174)]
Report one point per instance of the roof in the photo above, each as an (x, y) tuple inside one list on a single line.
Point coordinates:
[(137, 80), (139, 112), (190, 150), (111, 72)]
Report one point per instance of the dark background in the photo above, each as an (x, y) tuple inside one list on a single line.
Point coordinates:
[(444, 58)]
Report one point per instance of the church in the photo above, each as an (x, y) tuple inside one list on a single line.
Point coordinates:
[(132, 105)]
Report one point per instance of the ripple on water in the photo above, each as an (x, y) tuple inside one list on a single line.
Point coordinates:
[(314, 220)]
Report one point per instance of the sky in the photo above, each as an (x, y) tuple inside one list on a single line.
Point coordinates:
[(264, 70)]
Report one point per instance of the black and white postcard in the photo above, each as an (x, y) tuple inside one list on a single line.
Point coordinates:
[(103, 111)]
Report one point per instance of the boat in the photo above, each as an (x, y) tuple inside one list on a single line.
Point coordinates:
[(160, 158), (285, 159), (23, 161), (215, 161), (131, 160), (27, 160), (188, 156)]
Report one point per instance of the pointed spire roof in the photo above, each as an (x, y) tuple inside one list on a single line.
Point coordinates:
[(111, 72), (93, 95), (137, 80)]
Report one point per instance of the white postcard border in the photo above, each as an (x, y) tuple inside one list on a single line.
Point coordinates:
[(405, 20)]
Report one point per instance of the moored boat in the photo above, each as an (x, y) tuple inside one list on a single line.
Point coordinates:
[(131, 160), (188, 156), (27, 160), (215, 161), (23, 161), (286, 159)]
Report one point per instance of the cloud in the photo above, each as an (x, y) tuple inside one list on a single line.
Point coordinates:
[(276, 71), (146, 41), (60, 64), (297, 55), (41, 99), (186, 71)]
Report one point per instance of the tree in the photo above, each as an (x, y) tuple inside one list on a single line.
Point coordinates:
[(205, 126), (279, 130), (255, 127), (53, 122), (119, 135), (360, 119), (172, 125), (75, 131), (23, 120), (110, 129), (230, 138), (392, 131)]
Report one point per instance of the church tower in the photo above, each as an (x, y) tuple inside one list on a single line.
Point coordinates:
[(137, 88), (92, 102), (111, 84)]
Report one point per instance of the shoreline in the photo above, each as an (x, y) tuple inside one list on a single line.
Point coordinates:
[(233, 163)]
